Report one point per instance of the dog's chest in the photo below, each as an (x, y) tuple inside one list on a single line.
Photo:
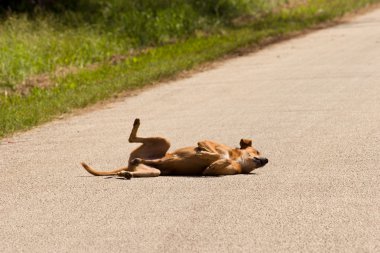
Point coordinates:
[(225, 155)]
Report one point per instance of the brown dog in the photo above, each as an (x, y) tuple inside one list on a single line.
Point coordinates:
[(208, 158)]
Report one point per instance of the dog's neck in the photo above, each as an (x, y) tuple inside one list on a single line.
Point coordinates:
[(243, 160), (235, 153)]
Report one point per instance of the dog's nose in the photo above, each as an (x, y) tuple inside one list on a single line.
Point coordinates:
[(264, 160), (261, 160)]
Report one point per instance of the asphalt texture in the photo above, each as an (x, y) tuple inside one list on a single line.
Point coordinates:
[(312, 106)]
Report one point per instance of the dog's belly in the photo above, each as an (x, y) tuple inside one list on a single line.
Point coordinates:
[(185, 161), (183, 167)]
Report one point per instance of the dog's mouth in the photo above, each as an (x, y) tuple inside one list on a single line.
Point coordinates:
[(260, 161)]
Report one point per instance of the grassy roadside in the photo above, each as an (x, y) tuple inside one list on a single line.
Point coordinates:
[(88, 85)]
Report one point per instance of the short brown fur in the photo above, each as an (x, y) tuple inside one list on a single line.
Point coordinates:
[(208, 158)]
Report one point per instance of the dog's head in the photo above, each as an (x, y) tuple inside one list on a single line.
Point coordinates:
[(250, 158)]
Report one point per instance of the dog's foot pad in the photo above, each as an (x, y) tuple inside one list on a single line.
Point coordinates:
[(136, 122), (125, 174)]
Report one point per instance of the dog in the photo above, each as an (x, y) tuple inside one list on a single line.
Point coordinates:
[(208, 158)]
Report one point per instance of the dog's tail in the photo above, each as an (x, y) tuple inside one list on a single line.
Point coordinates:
[(101, 173)]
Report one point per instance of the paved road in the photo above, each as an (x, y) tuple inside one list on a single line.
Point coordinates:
[(312, 105)]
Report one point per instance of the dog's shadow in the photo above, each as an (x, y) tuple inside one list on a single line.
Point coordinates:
[(178, 176), (172, 176), (209, 177)]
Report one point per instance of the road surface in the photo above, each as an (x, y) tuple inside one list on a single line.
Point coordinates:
[(312, 106)]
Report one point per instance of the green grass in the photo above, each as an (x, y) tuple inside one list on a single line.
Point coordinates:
[(29, 48), (26, 51), (46, 41)]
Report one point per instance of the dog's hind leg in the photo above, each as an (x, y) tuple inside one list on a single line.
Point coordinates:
[(133, 136), (151, 148), (140, 171)]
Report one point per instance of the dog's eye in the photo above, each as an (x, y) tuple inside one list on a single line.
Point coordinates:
[(258, 153)]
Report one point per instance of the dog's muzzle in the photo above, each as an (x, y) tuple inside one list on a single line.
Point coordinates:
[(261, 161)]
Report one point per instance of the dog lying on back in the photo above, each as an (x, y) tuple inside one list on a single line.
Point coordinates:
[(208, 158)]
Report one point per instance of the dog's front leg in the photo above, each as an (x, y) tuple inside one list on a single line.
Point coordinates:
[(206, 146), (208, 156), (222, 167)]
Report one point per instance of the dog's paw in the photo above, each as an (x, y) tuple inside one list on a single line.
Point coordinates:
[(200, 149), (126, 174), (136, 161), (136, 123)]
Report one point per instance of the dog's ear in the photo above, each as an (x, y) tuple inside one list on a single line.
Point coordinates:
[(245, 143)]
